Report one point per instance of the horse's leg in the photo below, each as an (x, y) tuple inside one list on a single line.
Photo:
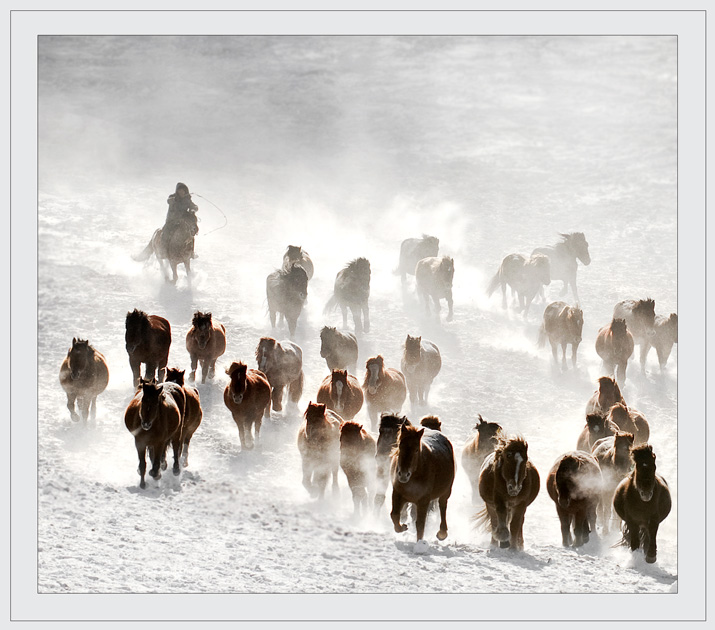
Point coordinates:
[(241, 432), (292, 322), (381, 477), (554, 347), (344, 310), (176, 447), (645, 347), (442, 533), (83, 403), (422, 509), (501, 531), (93, 409), (174, 274), (503, 295), (649, 544), (621, 372), (212, 368), (366, 314), (204, 369), (397, 502), (563, 355), (450, 306), (135, 366), (516, 526), (580, 526), (257, 428), (565, 520), (185, 454), (187, 268), (574, 353), (357, 319), (161, 375), (155, 454), (141, 451), (277, 398), (70, 405), (633, 535), (308, 474), (149, 371), (272, 314), (295, 389)]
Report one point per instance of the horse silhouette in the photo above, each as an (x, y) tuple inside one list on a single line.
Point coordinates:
[(421, 362), (205, 343), (351, 291), (562, 326), (83, 375), (193, 413), (614, 344), (524, 275), (282, 364), (340, 350), (385, 389), (247, 395), (564, 257), (286, 292), (319, 447), (357, 461), (147, 338), (412, 250), (434, 277)]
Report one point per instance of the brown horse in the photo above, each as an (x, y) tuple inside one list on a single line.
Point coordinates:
[(630, 420), (340, 350), (431, 422), (389, 428), (421, 362), (341, 393), (351, 291), (193, 412), (434, 277), (614, 344), (83, 375), (607, 395), (562, 325), (412, 250), (422, 469), (564, 257), (205, 342), (154, 417), (574, 484), (639, 316), (247, 395), (597, 427), (147, 338), (524, 275), (385, 389), (286, 292), (613, 455), (666, 334), (282, 363), (642, 500), (508, 484), (296, 254), (175, 250), (319, 447), (357, 459), (476, 450)]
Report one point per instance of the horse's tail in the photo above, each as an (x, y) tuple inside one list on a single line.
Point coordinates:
[(331, 304), (481, 519), (494, 283), (147, 251), (542, 336)]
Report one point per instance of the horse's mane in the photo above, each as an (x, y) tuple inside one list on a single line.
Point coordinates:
[(646, 305), (391, 421), (349, 427), (503, 442), (377, 359), (175, 375), (642, 451), (199, 316), (567, 236), (136, 316), (358, 263), (236, 365), (431, 422)]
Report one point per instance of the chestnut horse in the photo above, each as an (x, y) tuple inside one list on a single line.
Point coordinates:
[(193, 412), (247, 395), (357, 460), (642, 500), (562, 325), (286, 292), (476, 450), (351, 291), (508, 484), (282, 364), (83, 375), (205, 342), (385, 389), (421, 362), (422, 469), (387, 438), (341, 393), (639, 316), (412, 250), (613, 455), (296, 254), (319, 447), (340, 350), (607, 395), (564, 257), (630, 420), (147, 338), (614, 344), (666, 334), (597, 427), (524, 275), (434, 277)]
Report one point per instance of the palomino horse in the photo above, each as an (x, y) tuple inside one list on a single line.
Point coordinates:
[(640, 320), (564, 257), (154, 417), (562, 325), (476, 450), (630, 420), (319, 447), (597, 427), (574, 484), (351, 291), (296, 254), (147, 338), (247, 395), (613, 455), (433, 277), (607, 395), (614, 344), (421, 362), (524, 276), (412, 250), (205, 342), (387, 438), (286, 292), (340, 350), (642, 500), (83, 375), (357, 460), (192, 414), (508, 484), (282, 363), (341, 393), (666, 334), (422, 469), (384, 388), (177, 250)]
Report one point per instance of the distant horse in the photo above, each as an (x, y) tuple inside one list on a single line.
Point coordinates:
[(351, 291), (524, 276), (640, 320), (630, 420), (508, 484), (176, 251), (357, 460), (193, 413), (205, 342), (385, 389), (642, 500), (564, 257), (614, 457), (607, 395), (341, 393), (319, 447), (476, 450), (562, 325), (286, 292), (666, 334), (574, 484), (282, 364), (412, 250), (83, 375), (389, 428), (614, 344), (422, 469), (421, 362), (296, 254), (340, 350), (247, 395), (147, 338), (154, 417), (597, 427), (433, 277)]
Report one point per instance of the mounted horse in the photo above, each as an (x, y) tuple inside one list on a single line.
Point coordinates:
[(286, 292), (476, 450), (614, 344), (193, 413), (421, 362), (389, 428), (613, 455), (564, 257), (630, 420), (385, 389), (247, 396), (524, 276), (607, 395), (340, 392), (412, 250), (319, 447), (639, 316), (147, 338), (340, 350), (351, 291), (434, 277), (205, 342), (357, 460), (597, 427), (297, 255), (83, 375), (562, 325), (172, 245), (282, 364)]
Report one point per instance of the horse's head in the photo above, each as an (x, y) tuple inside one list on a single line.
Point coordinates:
[(136, 325), (374, 369), (175, 375), (361, 267), (542, 268), (78, 357), (350, 433), (644, 312), (314, 420), (298, 281), (622, 445), (618, 328), (489, 433), (407, 451), (338, 388), (264, 352), (570, 478), (328, 335), (596, 424), (619, 414), (237, 387), (431, 242), (575, 321), (511, 457), (608, 391), (202, 326), (412, 352), (389, 428), (644, 470), (670, 324), (431, 422), (293, 253), (578, 246), (152, 397)]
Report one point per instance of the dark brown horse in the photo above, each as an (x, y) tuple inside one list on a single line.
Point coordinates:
[(83, 375), (614, 344), (597, 427), (639, 316), (421, 362), (666, 334), (286, 292), (172, 249), (351, 291), (389, 428), (341, 393), (613, 455), (147, 338), (154, 417), (508, 484), (564, 257), (193, 413), (434, 277), (247, 395), (384, 388), (319, 447), (296, 254), (412, 250), (282, 363), (607, 395), (476, 450), (642, 500), (422, 469), (630, 420), (357, 460), (562, 325), (431, 422), (524, 275), (340, 350), (574, 484), (205, 342)]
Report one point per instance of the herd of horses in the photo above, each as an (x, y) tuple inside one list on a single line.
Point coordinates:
[(611, 469)]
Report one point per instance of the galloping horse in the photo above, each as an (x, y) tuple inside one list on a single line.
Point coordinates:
[(412, 250), (351, 291), (476, 450), (564, 257), (630, 420), (177, 250), (319, 447), (389, 428), (357, 460), (205, 342), (639, 316), (340, 350), (524, 276), (247, 395), (562, 325), (607, 395), (597, 427), (147, 338), (286, 292), (666, 334), (613, 455), (421, 362), (282, 364), (83, 375), (642, 500), (296, 254), (434, 278), (614, 344), (340, 392), (193, 412), (384, 388), (422, 469)]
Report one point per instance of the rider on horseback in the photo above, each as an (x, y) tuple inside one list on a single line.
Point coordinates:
[(181, 211)]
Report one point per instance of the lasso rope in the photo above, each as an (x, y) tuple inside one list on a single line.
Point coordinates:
[(225, 219)]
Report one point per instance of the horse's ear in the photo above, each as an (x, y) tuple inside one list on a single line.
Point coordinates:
[(420, 433)]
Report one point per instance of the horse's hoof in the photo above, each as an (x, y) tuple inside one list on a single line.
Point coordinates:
[(163, 465), (400, 528), (142, 484), (442, 534), (176, 470), (650, 559), (504, 544), (74, 416)]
